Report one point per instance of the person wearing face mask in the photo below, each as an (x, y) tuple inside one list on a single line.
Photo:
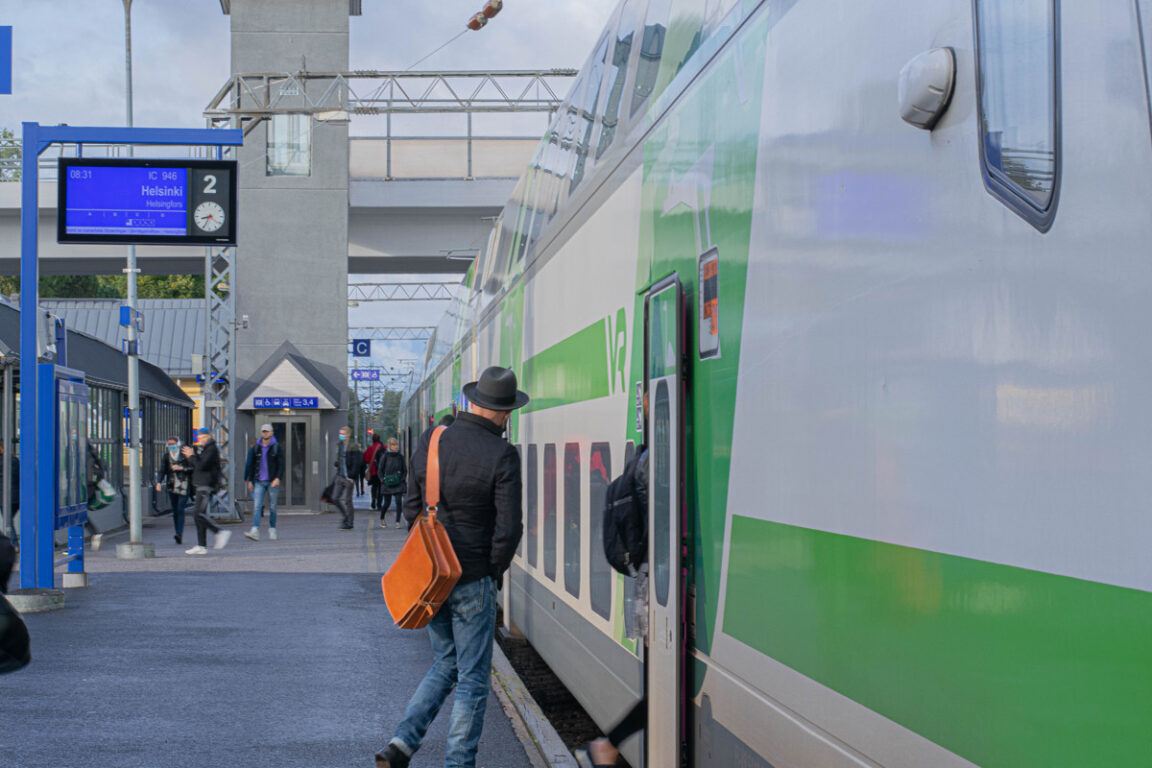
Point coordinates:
[(205, 463), (174, 477), (342, 485)]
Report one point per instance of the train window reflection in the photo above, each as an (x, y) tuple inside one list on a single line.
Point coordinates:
[(599, 572), (1017, 51), (572, 518), (621, 51), (523, 506), (663, 507), (550, 511), (532, 526), (588, 115), (651, 49)]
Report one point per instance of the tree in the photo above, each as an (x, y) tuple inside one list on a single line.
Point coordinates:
[(110, 286), (10, 156)]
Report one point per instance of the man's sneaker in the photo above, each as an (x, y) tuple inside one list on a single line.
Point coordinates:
[(197, 550), (254, 533), (221, 540), (392, 757), (383, 523), (397, 525), (272, 534)]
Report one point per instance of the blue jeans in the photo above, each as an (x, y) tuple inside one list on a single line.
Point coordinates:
[(461, 635), (178, 501), (259, 490)]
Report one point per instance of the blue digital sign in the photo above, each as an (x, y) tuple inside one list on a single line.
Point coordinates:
[(5, 59), (180, 202), (114, 200)]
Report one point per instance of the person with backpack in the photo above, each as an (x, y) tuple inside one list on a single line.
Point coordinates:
[(175, 478), (626, 548), (393, 474), (373, 478), (205, 462)]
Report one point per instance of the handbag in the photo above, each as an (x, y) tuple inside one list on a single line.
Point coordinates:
[(418, 582), (329, 492), (14, 645)]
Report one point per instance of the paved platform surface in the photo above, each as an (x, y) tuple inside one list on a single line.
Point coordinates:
[(277, 654)]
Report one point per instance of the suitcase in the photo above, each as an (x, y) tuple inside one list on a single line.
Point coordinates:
[(426, 570)]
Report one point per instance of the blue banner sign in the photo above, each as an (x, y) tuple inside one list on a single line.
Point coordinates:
[(365, 374), (285, 402), (361, 347), (5, 59)]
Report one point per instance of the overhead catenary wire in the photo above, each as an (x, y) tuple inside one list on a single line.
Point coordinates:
[(442, 47)]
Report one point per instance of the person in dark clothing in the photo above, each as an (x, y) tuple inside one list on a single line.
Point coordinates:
[(357, 468), (263, 471), (342, 485), (15, 650), (14, 501), (447, 420), (480, 493), (7, 560), (205, 463), (393, 473), (175, 477), (370, 462)]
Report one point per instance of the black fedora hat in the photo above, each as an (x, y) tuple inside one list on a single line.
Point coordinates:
[(496, 390)]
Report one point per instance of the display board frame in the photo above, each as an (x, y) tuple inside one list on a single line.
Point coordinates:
[(197, 191)]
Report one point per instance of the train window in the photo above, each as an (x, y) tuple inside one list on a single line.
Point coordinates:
[(1017, 44), (629, 586), (651, 49), (663, 508), (629, 18), (524, 506), (572, 518), (709, 315), (532, 527), (588, 114), (599, 572), (550, 511)]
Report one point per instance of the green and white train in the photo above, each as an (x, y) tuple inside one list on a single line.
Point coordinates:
[(899, 373)]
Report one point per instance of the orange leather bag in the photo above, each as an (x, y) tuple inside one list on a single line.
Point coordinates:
[(426, 570)]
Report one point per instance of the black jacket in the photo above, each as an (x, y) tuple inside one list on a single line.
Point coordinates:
[(275, 463), (480, 493), (205, 466), (174, 480), (392, 463)]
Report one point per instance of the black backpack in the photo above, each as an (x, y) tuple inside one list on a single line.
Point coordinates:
[(625, 522)]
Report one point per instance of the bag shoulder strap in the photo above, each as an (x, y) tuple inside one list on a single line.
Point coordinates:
[(432, 482)]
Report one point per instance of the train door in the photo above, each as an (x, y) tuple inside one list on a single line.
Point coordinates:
[(663, 352)]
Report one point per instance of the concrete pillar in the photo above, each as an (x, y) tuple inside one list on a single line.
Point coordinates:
[(292, 257)]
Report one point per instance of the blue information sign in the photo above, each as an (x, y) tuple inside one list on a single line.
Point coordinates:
[(285, 402), (365, 374), (147, 201), (361, 347), (5, 59)]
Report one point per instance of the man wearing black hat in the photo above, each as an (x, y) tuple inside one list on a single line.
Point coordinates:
[(480, 493)]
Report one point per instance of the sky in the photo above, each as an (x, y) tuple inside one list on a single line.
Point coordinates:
[(69, 67)]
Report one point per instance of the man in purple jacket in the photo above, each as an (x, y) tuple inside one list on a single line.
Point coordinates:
[(262, 472)]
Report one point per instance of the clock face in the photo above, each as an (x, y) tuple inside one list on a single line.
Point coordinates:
[(208, 216)]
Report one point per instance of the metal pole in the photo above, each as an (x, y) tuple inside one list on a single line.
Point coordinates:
[(135, 518), (6, 489)]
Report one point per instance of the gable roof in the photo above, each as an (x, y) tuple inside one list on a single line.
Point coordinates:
[(285, 368)]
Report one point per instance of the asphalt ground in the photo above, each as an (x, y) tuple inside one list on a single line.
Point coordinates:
[(270, 653)]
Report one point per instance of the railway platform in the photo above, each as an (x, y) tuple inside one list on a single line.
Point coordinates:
[(272, 653)]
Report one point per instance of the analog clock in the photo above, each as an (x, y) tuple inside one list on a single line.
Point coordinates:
[(208, 216)]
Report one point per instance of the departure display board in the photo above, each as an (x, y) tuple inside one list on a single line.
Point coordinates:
[(153, 202)]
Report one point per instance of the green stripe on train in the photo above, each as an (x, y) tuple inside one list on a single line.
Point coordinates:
[(587, 365), (1006, 667)]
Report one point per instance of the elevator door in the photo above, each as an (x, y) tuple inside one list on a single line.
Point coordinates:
[(293, 435)]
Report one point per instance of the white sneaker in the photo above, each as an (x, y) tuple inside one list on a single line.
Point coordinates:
[(383, 523), (397, 525), (197, 550), (254, 533), (272, 534), (221, 540)]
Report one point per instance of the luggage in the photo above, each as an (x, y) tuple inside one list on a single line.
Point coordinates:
[(426, 570)]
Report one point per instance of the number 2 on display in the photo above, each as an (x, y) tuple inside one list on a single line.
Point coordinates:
[(209, 184)]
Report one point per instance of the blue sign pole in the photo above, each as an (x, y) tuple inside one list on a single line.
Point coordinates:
[(36, 565), (5, 59)]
